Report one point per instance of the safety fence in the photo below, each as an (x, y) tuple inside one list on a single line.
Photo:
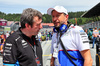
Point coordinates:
[(91, 25)]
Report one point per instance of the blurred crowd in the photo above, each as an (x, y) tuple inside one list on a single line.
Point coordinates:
[(90, 32), (93, 34), (45, 35), (3, 39), (42, 36)]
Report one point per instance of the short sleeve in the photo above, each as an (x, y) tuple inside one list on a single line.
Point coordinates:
[(81, 39)]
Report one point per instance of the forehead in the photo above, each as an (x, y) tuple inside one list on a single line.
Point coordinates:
[(55, 12), (37, 20)]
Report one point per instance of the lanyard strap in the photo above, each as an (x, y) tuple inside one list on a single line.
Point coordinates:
[(68, 55), (58, 35), (34, 49), (36, 57)]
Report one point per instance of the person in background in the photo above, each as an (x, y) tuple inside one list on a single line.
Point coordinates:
[(2, 38), (22, 48), (39, 36), (46, 34), (74, 39), (50, 35), (95, 34), (90, 34), (99, 31), (1, 45), (86, 30), (11, 32), (7, 34)]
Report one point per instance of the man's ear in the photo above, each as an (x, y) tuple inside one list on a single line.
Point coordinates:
[(67, 17), (27, 25)]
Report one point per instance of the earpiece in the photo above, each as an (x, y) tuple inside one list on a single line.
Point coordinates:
[(62, 29)]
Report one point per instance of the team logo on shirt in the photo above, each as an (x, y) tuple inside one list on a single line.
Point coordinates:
[(17, 38), (24, 44), (23, 41), (84, 36), (81, 30), (8, 47), (8, 44)]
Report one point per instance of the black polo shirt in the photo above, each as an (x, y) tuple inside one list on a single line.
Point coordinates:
[(18, 47)]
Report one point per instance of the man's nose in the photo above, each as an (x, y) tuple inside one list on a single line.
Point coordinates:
[(55, 18)]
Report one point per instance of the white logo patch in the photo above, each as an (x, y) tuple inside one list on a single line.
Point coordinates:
[(8, 44), (23, 41), (24, 44)]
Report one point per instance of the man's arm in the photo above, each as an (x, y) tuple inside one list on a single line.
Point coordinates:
[(87, 57), (52, 61)]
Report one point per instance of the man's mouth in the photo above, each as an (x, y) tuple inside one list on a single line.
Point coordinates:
[(56, 23)]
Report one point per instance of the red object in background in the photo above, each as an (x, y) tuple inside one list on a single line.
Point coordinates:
[(3, 23)]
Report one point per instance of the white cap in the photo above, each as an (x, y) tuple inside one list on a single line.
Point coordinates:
[(59, 9)]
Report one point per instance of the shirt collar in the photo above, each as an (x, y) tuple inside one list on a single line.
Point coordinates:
[(30, 40)]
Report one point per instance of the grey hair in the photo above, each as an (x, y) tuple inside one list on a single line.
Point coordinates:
[(28, 16)]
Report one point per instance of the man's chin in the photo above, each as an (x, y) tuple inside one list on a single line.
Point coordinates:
[(57, 26)]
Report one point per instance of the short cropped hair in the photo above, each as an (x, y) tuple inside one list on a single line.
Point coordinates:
[(28, 16)]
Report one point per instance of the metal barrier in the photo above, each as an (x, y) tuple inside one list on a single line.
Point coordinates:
[(91, 25)]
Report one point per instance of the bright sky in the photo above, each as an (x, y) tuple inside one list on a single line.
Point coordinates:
[(17, 6)]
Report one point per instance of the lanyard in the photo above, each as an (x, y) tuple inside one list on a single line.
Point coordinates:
[(58, 35), (34, 49), (36, 57)]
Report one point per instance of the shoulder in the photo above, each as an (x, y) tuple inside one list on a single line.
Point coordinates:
[(76, 29), (13, 37)]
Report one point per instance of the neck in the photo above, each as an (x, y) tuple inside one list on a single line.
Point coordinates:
[(24, 31), (65, 23)]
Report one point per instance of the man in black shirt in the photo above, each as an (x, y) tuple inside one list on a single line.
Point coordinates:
[(22, 47)]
